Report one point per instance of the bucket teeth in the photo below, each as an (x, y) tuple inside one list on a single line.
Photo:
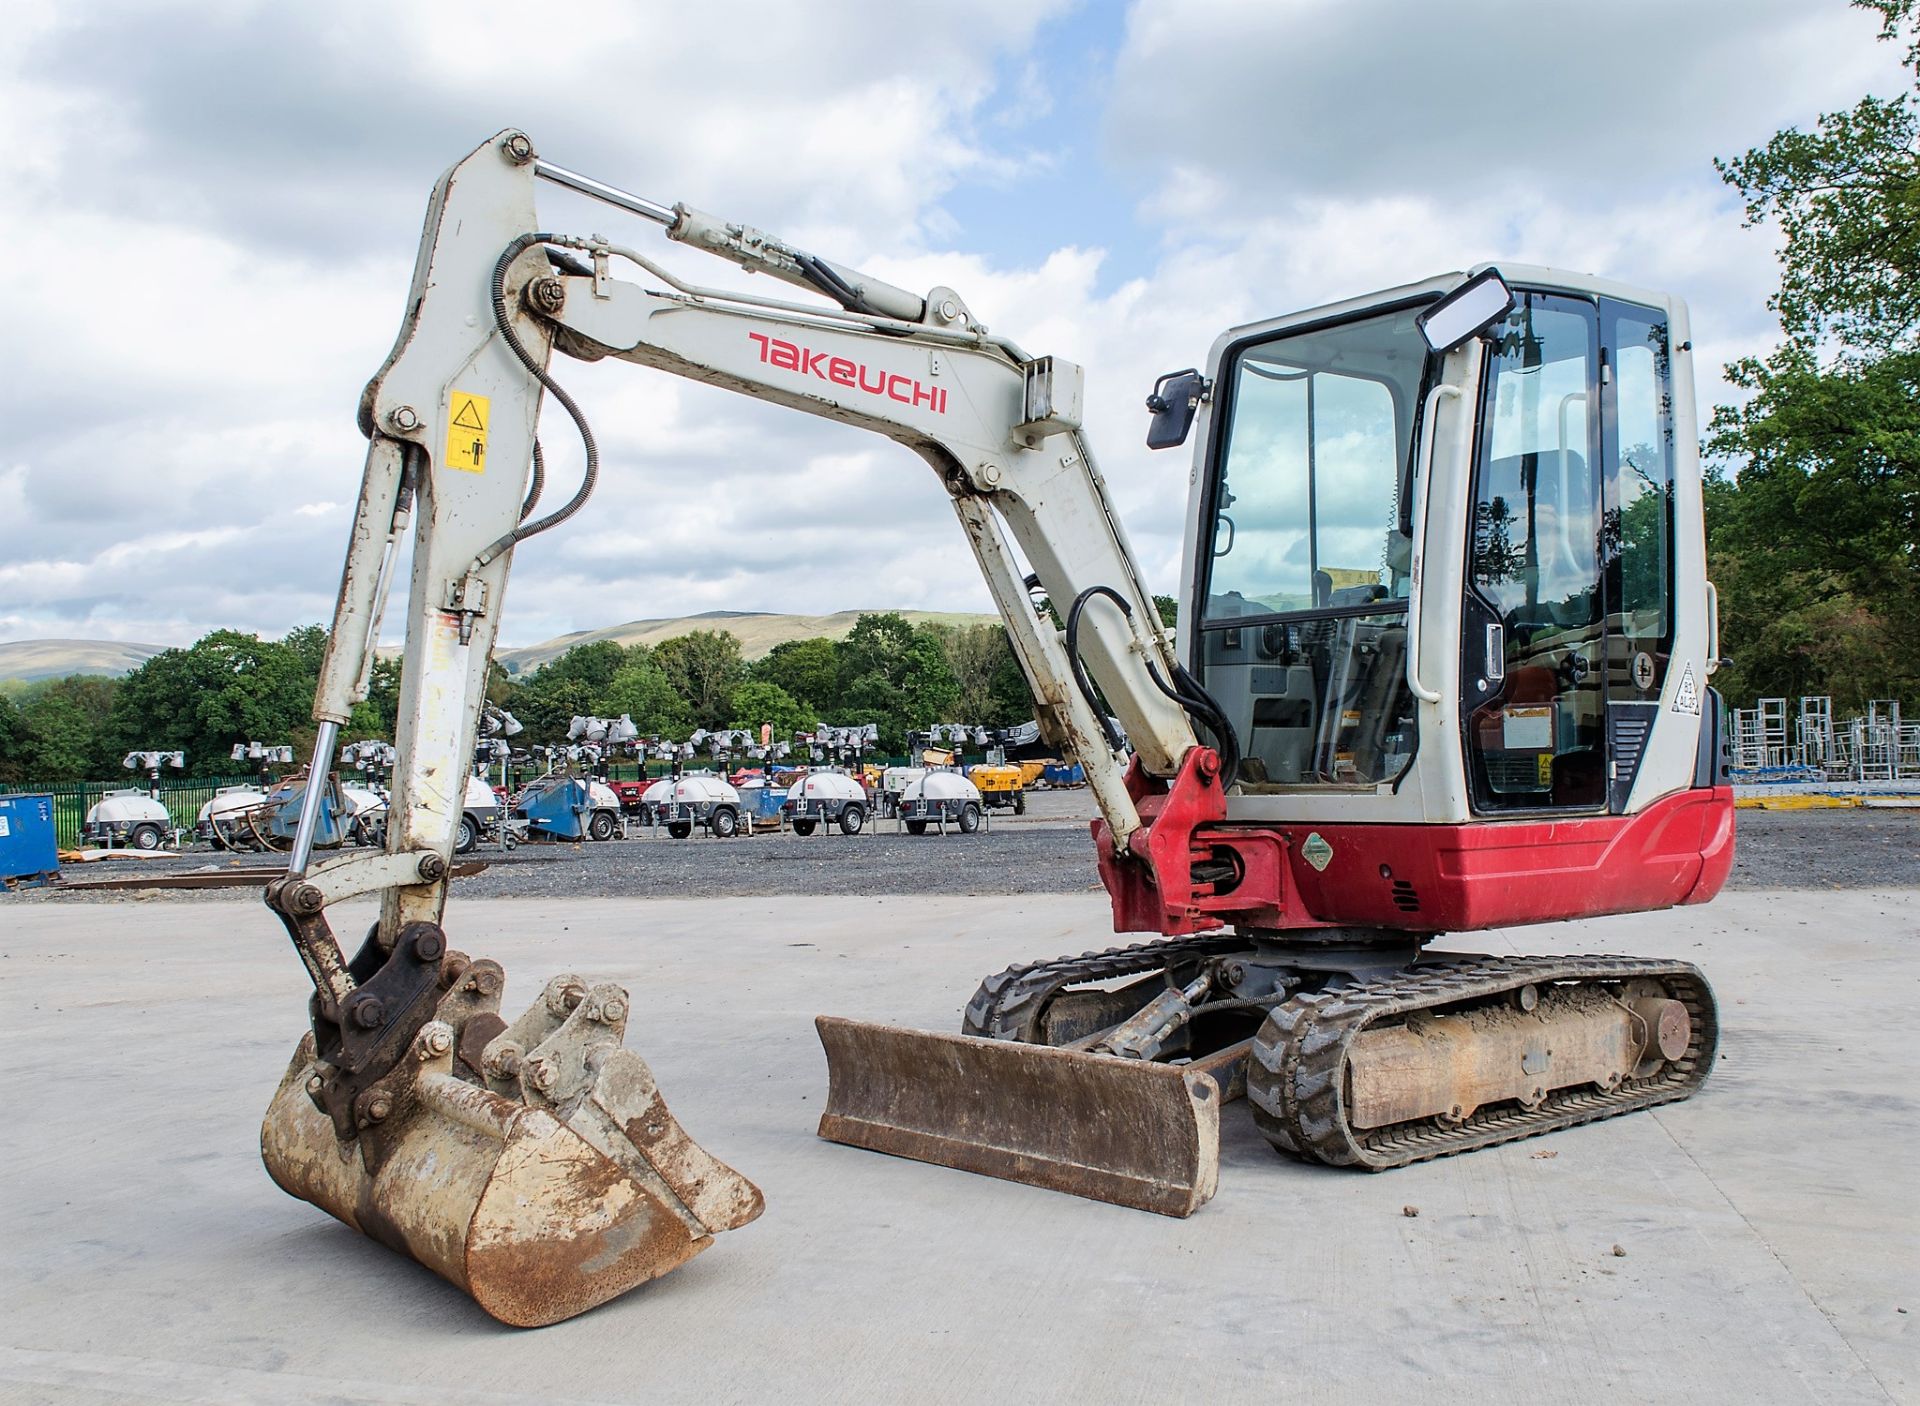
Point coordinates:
[(535, 1165)]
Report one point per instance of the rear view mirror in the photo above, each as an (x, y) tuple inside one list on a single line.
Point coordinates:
[(1175, 401), (1467, 311)]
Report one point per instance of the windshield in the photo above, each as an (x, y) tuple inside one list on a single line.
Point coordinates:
[(1320, 432), (1302, 633)]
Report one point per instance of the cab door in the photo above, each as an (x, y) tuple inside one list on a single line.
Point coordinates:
[(1637, 548), (1533, 646), (1567, 621)]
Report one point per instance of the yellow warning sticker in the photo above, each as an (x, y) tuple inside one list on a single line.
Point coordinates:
[(1543, 769), (467, 433)]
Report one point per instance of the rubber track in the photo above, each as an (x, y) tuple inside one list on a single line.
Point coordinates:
[(1009, 1004), (1296, 1078)]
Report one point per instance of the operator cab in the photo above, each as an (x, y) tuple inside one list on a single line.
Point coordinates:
[(1537, 459)]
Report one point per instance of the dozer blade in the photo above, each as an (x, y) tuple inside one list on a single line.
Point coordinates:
[(1128, 1131), (564, 1184)]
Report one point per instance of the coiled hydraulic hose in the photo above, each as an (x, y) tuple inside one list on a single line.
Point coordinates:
[(534, 484), (539, 372)]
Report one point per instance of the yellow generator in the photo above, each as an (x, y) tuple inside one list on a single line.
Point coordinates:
[(1002, 785)]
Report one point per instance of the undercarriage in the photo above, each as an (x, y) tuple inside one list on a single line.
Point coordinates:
[(1353, 1048)]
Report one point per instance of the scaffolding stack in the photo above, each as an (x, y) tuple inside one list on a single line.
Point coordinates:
[(1871, 746)]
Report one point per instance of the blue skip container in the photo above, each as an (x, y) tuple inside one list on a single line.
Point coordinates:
[(28, 853)]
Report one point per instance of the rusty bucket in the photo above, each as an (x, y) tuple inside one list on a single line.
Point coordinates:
[(534, 1165)]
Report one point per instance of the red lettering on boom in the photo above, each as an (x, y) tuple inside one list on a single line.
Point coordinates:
[(841, 371)]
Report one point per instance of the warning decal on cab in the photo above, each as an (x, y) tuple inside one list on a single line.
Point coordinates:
[(1687, 700), (467, 433)]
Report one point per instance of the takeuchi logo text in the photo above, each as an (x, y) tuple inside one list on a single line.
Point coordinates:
[(839, 371)]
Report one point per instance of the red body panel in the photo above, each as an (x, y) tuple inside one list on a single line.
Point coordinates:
[(1447, 878)]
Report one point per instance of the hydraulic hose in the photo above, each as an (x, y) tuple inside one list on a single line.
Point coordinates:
[(539, 372), (1184, 689), (1200, 705), (1115, 742), (535, 484)]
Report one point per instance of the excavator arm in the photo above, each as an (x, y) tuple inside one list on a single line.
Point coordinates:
[(453, 460), (409, 1058)]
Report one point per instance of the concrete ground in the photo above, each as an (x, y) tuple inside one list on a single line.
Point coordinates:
[(1770, 1237)]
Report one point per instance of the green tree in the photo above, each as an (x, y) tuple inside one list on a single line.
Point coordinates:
[(546, 705), (226, 687), (1012, 699), (1169, 608), (592, 664), (704, 668), (575, 684), (808, 670), (309, 644), (13, 740), (644, 693), (756, 702), (894, 675), (1816, 542), (378, 713), (64, 727), (989, 688)]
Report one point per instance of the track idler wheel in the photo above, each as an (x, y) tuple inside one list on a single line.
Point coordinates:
[(534, 1165)]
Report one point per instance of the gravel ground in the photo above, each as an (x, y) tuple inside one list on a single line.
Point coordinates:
[(1826, 849), (1045, 851)]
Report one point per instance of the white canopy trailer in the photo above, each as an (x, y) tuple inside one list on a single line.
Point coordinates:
[(826, 798), (940, 799), (128, 817), (697, 798)]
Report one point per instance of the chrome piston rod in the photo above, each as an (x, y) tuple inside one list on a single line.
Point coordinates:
[(600, 190), (323, 746)]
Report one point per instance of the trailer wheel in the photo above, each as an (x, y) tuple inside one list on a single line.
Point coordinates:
[(852, 819), (680, 829), (725, 824), (469, 836), (969, 818), (916, 827), (805, 827), (1019, 802), (145, 837), (601, 826)]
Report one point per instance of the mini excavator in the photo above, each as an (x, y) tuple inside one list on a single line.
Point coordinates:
[(1444, 641)]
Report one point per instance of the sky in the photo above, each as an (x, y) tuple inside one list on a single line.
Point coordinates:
[(215, 209)]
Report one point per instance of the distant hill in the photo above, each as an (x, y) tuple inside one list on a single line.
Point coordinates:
[(757, 633), (25, 661)]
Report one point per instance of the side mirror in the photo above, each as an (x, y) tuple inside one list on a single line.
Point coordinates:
[(1175, 401), (1466, 312)]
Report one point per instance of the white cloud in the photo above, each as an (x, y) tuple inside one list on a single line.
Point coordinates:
[(222, 200)]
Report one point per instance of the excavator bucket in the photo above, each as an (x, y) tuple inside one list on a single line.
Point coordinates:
[(535, 1165), (1129, 1131)]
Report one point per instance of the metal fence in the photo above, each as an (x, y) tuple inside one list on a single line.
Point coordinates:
[(182, 796)]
